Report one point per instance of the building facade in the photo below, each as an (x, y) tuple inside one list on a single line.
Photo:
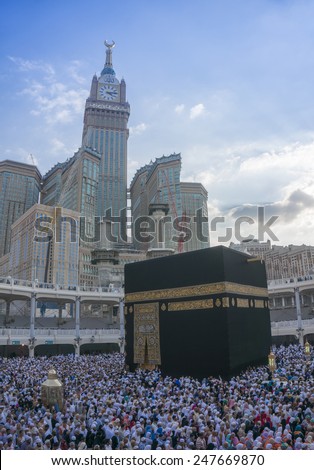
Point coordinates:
[(252, 247), (194, 209), (281, 262), (110, 264), (52, 185), (79, 193), (20, 185), (73, 184), (287, 262), (45, 246), (4, 265), (105, 130)]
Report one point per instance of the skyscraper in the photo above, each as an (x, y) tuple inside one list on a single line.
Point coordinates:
[(156, 182), (79, 185), (19, 190), (105, 130), (94, 181), (73, 185), (79, 193)]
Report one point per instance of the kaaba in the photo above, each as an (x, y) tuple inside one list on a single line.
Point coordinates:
[(202, 313)]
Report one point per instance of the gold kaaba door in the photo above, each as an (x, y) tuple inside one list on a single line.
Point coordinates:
[(146, 335)]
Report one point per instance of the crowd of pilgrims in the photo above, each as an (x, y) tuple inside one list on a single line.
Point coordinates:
[(106, 407)]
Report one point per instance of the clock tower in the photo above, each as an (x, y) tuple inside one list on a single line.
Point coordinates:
[(105, 129)]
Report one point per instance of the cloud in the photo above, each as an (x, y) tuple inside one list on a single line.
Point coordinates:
[(179, 109), (287, 210), (235, 179), (25, 65), (139, 129), (57, 146), (73, 70), (197, 111), (289, 220), (55, 101), (279, 180)]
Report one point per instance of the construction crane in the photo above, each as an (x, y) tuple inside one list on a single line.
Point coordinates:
[(32, 159), (174, 212)]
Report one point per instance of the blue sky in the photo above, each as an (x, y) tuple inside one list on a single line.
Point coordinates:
[(228, 84)]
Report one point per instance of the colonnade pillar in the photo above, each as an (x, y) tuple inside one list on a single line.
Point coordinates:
[(122, 329), (7, 311), (77, 325), (60, 313), (299, 316), (31, 347)]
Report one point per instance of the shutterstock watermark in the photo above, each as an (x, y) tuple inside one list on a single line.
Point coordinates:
[(260, 225), (149, 229)]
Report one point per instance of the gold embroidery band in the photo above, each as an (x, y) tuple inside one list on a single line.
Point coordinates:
[(196, 291), (244, 303), (190, 305)]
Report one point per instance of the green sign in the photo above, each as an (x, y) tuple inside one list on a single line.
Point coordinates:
[(49, 341), (15, 342)]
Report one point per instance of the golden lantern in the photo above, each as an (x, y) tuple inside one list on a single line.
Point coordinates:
[(272, 362), (52, 390)]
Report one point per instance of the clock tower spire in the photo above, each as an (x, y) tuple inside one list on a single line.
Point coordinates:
[(105, 129)]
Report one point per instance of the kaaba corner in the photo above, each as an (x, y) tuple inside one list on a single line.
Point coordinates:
[(202, 313)]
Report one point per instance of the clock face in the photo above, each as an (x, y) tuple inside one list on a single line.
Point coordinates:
[(109, 92)]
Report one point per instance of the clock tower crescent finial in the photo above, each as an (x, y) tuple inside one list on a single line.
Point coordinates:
[(109, 53), (110, 46)]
